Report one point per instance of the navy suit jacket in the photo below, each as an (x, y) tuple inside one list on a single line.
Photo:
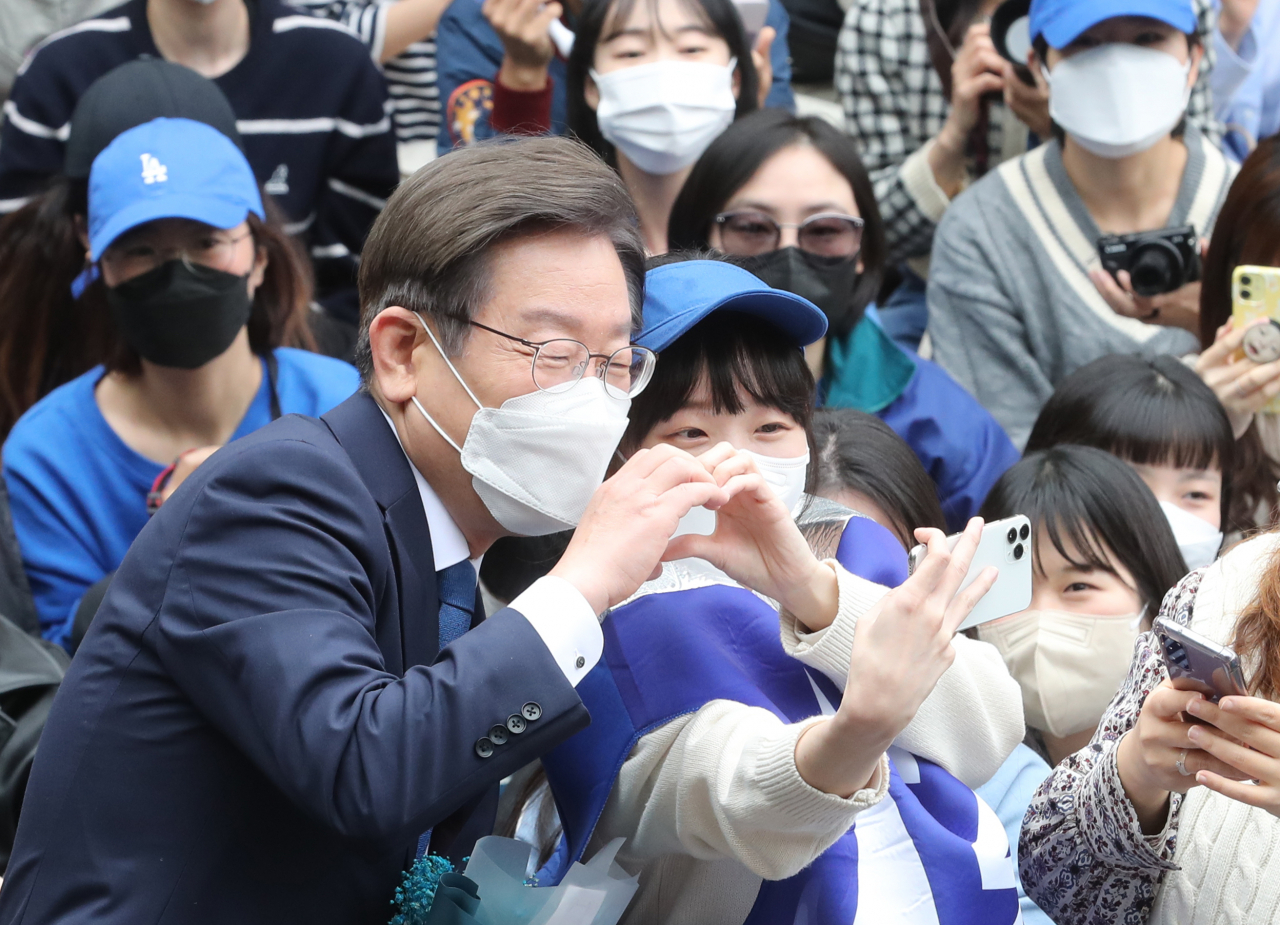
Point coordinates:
[(259, 723)]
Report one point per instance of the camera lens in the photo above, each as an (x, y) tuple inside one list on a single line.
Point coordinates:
[(1246, 295), (1012, 535), (1156, 268), (1018, 551), (1246, 281), (1024, 532)]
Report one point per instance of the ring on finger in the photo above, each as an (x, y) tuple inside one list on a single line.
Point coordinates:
[(1181, 765)]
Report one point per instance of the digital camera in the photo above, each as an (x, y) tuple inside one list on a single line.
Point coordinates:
[(1157, 261)]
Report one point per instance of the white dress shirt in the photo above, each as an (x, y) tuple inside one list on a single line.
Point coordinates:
[(559, 613)]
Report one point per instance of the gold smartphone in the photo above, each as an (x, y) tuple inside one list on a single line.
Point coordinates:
[(1255, 293)]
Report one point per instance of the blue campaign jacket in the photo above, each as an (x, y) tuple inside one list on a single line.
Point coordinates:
[(962, 447), (469, 54), (260, 722), (931, 846)]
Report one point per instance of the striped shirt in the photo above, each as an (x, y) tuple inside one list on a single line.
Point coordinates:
[(311, 107), (411, 75)]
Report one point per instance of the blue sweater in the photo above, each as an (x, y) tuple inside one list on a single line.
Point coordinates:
[(469, 54), (310, 105), (79, 494)]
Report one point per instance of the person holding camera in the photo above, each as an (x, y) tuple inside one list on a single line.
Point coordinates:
[(1090, 244), (1172, 813)]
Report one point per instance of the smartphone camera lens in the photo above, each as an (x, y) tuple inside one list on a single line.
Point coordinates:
[(1246, 281), (1018, 551), (1024, 532), (1246, 295), (1012, 536)]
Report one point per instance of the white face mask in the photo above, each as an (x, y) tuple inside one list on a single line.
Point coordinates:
[(1197, 539), (785, 475), (1118, 99), (1069, 665), (664, 114), (536, 461)]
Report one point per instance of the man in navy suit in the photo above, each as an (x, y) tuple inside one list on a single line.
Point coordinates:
[(291, 689)]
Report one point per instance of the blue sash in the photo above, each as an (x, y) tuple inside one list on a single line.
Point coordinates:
[(931, 851)]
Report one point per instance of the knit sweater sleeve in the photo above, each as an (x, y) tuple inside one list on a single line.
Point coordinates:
[(969, 724), (722, 783), (979, 331), (1082, 856)]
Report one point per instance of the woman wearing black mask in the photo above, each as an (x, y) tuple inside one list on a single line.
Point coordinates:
[(790, 198), (181, 261)]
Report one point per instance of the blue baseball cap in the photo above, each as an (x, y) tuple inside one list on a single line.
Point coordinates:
[(168, 168), (1062, 21), (679, 295)]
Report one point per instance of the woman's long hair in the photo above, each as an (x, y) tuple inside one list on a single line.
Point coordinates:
[(48, 336), (732, 160), (1246, 233), (1257, 636), (720, 17)]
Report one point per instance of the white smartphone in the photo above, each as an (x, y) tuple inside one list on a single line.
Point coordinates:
[(753, 13), (1006, 544)]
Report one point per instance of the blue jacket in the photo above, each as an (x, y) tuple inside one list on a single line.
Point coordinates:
[(260, 723), (79, 494), (469, 54), (959, 443)]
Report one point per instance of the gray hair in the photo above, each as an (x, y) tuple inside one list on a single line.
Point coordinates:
[(428, 251)]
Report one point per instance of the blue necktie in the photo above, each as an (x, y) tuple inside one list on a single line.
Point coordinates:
[(456, 587)]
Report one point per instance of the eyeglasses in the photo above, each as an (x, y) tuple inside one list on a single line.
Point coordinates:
[(829, 234), (559, 364), (129, 259)]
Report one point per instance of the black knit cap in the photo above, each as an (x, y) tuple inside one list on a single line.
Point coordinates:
[(135, 93)]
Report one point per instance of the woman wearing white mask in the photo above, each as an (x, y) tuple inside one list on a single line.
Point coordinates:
[(721, 750), (651, 84), (1156, 415), (1017, 295), (1104, 558)]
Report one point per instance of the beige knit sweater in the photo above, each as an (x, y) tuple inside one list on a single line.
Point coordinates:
[(712, 803)]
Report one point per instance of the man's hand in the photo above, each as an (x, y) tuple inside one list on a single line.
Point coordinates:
[(977, 71), (1234, 17), (620, 541), (187, 463), (1243, 387), (524, 28), (1029, 104), (1177, 309), (900, 650), (757, 543), (764, 64)]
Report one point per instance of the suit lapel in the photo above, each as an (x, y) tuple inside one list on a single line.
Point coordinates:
[(413, 633)]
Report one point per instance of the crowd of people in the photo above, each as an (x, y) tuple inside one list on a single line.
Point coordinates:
[(423, 420)]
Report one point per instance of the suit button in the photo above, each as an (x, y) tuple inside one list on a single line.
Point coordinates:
[(516, 723), (531, 711), (498, 735), (484, 748)]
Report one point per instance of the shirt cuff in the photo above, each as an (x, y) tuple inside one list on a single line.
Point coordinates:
[(565, 621), (796, 799), (521, 112), (920, 184)]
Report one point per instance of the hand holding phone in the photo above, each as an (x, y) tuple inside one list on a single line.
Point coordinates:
[(1006, 545)]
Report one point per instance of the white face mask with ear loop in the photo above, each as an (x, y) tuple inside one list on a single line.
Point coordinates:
[(663, 115), (536, 461), (1197, 539), (1118, 99)]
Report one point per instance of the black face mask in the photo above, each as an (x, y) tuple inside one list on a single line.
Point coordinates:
[(827, 282), (180, 314)]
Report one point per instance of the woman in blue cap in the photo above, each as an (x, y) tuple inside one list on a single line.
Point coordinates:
[(175, 235), (748, 773)]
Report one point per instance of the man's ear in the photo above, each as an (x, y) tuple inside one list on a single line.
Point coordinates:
[(591, 93), (394, 334)]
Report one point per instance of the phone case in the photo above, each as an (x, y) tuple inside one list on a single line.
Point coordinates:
[(1196, 663), (1006, 544), (1255, 293), (753, 13)]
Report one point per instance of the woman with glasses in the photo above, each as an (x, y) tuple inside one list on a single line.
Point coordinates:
[(790, 199), (196, 295), (812, 775)]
